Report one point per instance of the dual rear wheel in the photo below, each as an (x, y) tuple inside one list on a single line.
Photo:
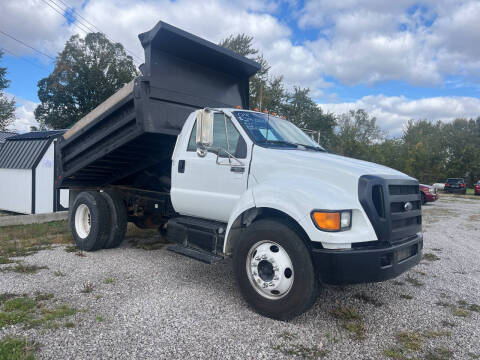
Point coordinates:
[(98, 220)]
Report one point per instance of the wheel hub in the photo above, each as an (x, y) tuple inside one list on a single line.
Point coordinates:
[(269, 269), (83, 221)]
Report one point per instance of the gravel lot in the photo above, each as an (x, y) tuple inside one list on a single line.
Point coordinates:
[(157, 304)]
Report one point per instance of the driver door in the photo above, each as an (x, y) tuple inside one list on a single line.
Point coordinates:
[(201, 187)]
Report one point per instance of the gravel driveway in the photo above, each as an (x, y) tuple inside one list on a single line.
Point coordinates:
[(156, 304)]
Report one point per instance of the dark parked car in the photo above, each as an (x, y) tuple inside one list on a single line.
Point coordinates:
[(429, 193), (477, 188), (455, 185)]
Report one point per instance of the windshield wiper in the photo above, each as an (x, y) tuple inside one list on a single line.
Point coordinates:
[(282, 142)]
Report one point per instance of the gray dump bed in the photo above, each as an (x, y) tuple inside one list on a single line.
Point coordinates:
[(136, 128)]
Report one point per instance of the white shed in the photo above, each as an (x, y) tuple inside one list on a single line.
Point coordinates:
[(27, 174)]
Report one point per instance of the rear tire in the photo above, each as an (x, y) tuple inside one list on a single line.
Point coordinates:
[(424, 199), (284, 266), (89, 221), (118, 219)]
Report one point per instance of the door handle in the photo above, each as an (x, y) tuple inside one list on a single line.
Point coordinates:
[(181, 166), (237, 169)]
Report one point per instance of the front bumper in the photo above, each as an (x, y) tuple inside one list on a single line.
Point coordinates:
[(429, 197), (367, 265)]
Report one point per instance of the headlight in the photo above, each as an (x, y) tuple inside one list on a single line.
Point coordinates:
[(328, 220)]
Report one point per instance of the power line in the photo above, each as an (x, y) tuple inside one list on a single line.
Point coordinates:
[(29, 46), (65, 16), (85, 23), (22, 58)]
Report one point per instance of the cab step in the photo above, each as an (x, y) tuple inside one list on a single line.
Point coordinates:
[(197, 254)]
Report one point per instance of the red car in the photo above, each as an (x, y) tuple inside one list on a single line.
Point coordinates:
[(477, 188), (429, 193)]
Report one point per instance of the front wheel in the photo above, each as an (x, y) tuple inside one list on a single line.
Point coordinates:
[(274, 270)]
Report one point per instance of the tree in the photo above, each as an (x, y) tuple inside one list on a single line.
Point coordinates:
[(268, 93), (356, 133), (86, 73), (7, 107), (306, 114), (259, 85)]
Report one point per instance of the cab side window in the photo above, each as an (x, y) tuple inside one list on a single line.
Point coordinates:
[(223, 139)]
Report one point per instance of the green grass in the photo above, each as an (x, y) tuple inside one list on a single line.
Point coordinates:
[(367, 299), (22, 304), (406, 296), (439, 353), (100, 319), (24, 268), (5, 260), (109, 280), (59, 273), (16, 348), (460, 312), (430, 257), (345, 313), (396, 353), (410, 340), (413, 281), (39, 296), (24, 240), (356, 328), (32, 311)]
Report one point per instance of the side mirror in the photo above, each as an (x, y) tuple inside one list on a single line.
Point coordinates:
[(204, 135)]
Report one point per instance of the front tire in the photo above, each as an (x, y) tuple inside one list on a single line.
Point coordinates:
[(274, 270), (89, 221)]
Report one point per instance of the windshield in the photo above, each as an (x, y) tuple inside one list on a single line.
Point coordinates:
[(271, 130), (454, 181)]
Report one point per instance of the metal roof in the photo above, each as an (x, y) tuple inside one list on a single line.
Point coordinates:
[(37, 135), (4, 135), (22, 154)]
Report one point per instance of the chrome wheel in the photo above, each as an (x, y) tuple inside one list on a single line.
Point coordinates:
[(269, 269), (83, 221)]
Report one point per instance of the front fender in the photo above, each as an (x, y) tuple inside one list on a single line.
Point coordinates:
[(297, 196)]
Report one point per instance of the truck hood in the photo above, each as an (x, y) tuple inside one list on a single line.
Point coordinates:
[(314, 164)]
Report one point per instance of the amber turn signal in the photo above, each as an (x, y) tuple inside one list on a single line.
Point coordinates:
[(329, 221)]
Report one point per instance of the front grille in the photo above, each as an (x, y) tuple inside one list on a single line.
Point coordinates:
[(404, 222), (393, 207)]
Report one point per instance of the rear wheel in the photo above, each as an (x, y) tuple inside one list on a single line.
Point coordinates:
[(274, 270), (424, 199), (89, 221), (118, 219)]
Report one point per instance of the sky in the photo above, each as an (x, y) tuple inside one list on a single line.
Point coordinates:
[(398, 60)]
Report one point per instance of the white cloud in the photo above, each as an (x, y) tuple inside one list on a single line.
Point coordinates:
[(392, 112), (34, 23), (24, 116), (359, 41), (371, 41)]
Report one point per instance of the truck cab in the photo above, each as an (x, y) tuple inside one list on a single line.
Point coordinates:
[(226, 182)]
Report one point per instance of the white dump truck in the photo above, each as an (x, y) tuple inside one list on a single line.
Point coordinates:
[(177, 149)]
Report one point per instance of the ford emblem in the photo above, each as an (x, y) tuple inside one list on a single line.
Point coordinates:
[(408, 206)]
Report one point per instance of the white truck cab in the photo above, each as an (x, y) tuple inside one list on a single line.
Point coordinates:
[(169, 151)]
